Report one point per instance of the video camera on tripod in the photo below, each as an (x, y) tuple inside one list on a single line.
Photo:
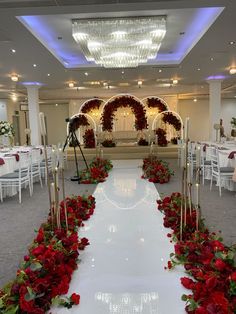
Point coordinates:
[(72, 140)]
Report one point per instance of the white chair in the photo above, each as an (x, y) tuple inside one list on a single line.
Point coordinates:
[(35, 169), (218, 172), (205, 164), (17, 178), (43, 164)]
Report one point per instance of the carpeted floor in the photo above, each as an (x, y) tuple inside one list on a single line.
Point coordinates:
[(19, 222)]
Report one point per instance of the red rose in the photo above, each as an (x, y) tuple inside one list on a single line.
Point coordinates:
[(201, 310), (187, 283), (233, 276), (75, 298), (220, 265)]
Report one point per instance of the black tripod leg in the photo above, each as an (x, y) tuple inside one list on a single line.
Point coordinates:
[(78, 144), (75, 154)]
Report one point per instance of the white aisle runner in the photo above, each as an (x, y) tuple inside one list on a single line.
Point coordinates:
[(122, 271)]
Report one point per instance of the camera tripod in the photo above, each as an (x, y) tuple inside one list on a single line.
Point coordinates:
[(72, 140)]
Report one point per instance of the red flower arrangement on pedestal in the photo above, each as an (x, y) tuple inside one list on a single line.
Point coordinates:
[(124, 101), (155, 102), (156, 171), (108, 143), (46, 271), (91, 104), (205, 258), (161, 137), (98, 171), (170, 118), (89, 139)]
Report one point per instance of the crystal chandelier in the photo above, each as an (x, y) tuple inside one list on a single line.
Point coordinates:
[(120, 42)]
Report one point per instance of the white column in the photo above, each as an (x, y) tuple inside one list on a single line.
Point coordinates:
[(33, 104), (214, 106)]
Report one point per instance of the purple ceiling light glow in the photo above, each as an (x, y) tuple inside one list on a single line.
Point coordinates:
[(216, 77), (203, 19), (32, 84), (200, 23), (46, 35)]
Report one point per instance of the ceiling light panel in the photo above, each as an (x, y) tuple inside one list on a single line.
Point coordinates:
[(120, 42)]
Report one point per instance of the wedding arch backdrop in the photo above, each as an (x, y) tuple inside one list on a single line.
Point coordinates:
[(91, 105), (155, 102), (170, 117), (123, 100)]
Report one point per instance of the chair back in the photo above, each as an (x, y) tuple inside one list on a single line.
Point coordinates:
[(35, 156), (24, 163), (214, 159)]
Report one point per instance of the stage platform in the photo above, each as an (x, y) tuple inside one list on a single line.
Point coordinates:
[(126, 152)]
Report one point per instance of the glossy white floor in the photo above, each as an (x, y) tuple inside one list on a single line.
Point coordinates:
[(122, 271)]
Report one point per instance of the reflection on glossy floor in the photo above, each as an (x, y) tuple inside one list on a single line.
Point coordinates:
[(122, 271)]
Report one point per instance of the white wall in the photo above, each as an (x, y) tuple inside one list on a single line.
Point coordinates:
[(56, 125), (199, 116), (227, 112), (3, 110)]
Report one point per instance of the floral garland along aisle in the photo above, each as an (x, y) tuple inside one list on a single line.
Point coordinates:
[(155, 170), (46, 271), (205, 258)]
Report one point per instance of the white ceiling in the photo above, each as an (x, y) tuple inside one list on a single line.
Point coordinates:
[(212, 54)]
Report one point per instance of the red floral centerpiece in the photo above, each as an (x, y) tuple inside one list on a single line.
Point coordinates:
[(108, 143), (46, 271), (161, 137), (205, 258), (143, 142), (97, 172), (89, 139), (124, 101), (156, 171)]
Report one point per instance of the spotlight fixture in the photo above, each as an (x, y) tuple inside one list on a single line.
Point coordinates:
[(48, 74), (140, 83), (34, 65), (14, 97), (71, 84), (86, 73), (13, 50), (14, 78), (175, 81), (232, 42), (232, 70), (195, 99), (160, 70)]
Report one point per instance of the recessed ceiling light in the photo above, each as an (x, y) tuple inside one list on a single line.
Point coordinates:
[(71, 84), (105, 84), (160, 70), (198, 69), (48, 74), (56, 105), (234, 96), (212, 59), (195, 99), (140, 83), (86, 73), (232, 42), (13, 50), (175, 81), (14, 97), (123, 72), (232, 70), (14, 78), (34, 65)]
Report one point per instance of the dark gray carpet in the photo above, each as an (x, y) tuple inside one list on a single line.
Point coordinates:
[(219, 212), (19, 222)]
